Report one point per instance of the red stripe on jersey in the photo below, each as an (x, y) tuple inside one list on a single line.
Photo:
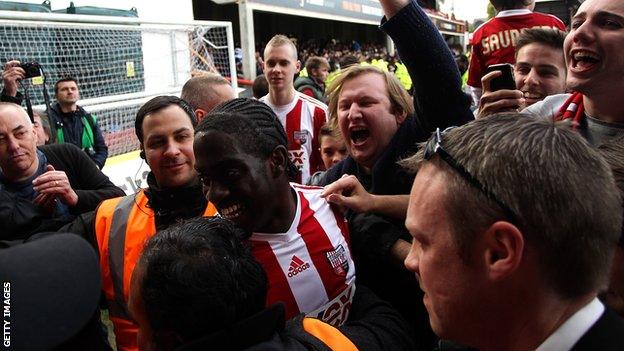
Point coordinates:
[(279, 290), (305, 187), (318, 244), (316, 162), (293, 124)]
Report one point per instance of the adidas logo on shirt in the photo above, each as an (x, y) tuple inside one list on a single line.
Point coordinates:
[(297, 266)]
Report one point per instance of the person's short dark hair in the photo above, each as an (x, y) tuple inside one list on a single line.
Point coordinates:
[(316, 62), (253, 124), (260, 86), (501, 5), (157, 104), (560, 190), (62, 80), (348, 60), (550, 37), (199, 277), (613, 153)]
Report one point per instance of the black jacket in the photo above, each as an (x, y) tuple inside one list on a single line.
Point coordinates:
[(21, 218), (169, 206), (373, 325)]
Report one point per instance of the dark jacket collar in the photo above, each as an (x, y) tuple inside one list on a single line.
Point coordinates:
[(250, 331)]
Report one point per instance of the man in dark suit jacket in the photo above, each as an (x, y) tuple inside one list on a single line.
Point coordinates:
[(514, 224)]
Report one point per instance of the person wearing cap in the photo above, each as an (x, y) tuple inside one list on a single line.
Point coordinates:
[(59, 180)]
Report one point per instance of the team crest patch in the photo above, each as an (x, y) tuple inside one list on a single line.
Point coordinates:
[(301, 136), (338, 260)]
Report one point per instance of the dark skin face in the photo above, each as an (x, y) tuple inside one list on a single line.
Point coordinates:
[(250, 191)]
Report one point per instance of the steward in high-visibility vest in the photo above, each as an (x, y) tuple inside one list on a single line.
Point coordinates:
[(122, 227)]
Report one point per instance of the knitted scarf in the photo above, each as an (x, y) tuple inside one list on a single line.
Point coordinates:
[(573, 110)]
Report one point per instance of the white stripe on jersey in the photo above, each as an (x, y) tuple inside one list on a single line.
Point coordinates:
[(327, 220)]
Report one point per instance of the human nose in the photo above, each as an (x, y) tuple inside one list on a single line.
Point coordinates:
[(412, 261), (12, 143), (354, 111), (172, 150), (583, 33), (531, 78)]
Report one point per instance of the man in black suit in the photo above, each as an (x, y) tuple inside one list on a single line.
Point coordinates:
[(514, 223)]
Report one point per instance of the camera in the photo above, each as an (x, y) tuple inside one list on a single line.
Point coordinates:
[(32, 69)]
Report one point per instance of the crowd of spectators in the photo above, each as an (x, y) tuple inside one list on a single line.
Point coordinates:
[(335, 212)]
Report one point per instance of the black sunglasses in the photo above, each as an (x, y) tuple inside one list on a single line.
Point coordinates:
[(434, 146)]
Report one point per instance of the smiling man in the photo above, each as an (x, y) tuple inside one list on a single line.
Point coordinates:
[(164, 126), (515, 262), (540, 71), (595, 63), (301, 242), (302, 116)]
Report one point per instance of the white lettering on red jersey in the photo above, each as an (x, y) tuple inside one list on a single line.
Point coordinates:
[(494, 41), (310, 268), (302, 120)]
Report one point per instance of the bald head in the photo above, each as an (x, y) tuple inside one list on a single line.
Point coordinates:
[(18, 146), (14, 111), (205, 92)]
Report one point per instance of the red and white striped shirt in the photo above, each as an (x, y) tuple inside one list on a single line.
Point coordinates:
[(302, 119), (309, 267), (495, 40)]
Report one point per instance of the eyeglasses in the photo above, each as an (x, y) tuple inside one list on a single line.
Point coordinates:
[(434, 146)]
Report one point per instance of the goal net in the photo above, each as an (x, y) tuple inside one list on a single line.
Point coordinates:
[(119, 62)]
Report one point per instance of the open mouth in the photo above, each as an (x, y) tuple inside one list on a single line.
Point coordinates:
[(231, 212), (583, 60), (359, 135)]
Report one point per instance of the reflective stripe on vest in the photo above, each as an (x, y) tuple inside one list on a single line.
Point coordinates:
[(123, 225), (331, 336)]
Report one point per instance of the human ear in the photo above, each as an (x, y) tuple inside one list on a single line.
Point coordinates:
[(200, 114), (504, 249), (278, 161)]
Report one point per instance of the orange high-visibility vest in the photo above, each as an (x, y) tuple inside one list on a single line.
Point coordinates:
[(122, 227), (328, 334)]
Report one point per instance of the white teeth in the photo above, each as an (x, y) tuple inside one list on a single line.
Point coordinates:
[(581, 54), (231, 212)]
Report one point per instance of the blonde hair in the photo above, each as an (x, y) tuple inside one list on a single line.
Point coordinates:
[(281, 40), (400, 100)]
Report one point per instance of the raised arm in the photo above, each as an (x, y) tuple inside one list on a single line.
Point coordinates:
[(438, 98)]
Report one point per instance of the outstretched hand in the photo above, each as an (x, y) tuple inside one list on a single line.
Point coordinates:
[(348, 192), (11, 74)]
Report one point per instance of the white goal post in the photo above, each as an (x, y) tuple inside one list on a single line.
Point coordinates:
[(119, 62)]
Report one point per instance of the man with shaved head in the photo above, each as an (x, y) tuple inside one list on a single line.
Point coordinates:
[(206, 91), (60, 180), (301, 115)]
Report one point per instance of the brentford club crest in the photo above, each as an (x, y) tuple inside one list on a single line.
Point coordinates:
[(338, 260), (301, 136)]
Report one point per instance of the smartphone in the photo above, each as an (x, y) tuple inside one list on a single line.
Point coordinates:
[(505, 81)]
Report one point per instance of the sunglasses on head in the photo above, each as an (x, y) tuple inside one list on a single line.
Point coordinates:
[(434, 146)]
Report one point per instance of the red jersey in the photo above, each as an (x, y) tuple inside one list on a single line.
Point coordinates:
[(302, 119), (495, 40), (309, 267)]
